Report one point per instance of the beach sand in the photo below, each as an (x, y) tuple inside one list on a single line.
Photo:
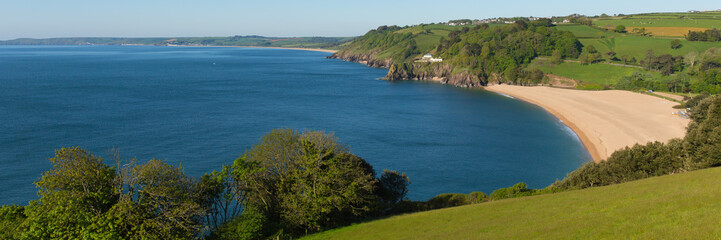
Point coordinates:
[(605, 121)]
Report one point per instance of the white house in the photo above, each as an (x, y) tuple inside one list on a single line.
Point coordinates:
[(429, 58)]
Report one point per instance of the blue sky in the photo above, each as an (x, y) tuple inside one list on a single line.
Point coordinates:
[(162, 18)]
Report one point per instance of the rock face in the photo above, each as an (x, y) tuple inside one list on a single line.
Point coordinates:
[(420, 71), (366, 59)]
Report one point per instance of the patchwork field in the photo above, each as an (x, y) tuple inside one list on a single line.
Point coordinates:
[(638, 46), (661, 22)]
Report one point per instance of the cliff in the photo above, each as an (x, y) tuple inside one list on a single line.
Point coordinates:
[(437, 72)]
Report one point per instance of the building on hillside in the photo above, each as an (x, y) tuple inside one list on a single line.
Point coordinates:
[(429, 58)]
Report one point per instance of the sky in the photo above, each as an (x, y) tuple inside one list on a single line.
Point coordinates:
[(281, 18)]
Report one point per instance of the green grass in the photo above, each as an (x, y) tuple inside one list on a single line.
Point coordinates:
[(583, 31), (654, 22), (680, 206), (701, 20), (598, 73), (637, 46)]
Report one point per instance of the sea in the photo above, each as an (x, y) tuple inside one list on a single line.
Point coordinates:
[(203, 107)]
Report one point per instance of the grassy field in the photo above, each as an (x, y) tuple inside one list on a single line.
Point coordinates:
[(637, 46), (699, 20), (603, 74), (679, 206), (583, 31)]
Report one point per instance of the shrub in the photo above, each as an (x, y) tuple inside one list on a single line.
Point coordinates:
[(251, 224)]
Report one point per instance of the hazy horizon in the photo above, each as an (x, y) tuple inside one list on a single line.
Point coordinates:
[(162, 18)]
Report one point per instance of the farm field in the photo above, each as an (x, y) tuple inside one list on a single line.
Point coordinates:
[(665, 24), (583, 31), (638, 46)]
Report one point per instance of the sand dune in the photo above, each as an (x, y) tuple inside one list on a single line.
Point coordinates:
[(605, 120)]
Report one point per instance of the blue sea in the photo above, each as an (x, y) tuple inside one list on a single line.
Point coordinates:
[(202, 107)]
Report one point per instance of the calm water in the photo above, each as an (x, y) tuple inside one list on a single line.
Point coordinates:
[(202, 107)]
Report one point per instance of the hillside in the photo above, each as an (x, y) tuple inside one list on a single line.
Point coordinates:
[(651, 53), (680, 206), (259, 41), (469, 56)]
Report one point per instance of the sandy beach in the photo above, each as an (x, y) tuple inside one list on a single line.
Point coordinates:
[(605, 121)]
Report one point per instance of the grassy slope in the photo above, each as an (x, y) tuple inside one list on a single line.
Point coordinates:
[(683, 206), (603, 74)]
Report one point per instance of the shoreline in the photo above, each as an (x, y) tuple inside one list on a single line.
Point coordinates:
[(287, 48), (585, 141), (604, 121), (290, 48)]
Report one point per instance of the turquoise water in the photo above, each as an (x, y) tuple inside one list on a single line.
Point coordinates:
[(202, 107)]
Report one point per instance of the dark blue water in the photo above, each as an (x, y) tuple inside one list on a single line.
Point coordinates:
[(202, 107)]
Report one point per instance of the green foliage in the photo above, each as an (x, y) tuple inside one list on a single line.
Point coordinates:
[(518, 190), (591, 49), (220, 196), (11, 219), (710, 35), (251, 224), (394, 186), (476, 53), (306, 181), (455, 199), (676, 44), (73, 195), (556, 57), (82, 198), (620, 29)]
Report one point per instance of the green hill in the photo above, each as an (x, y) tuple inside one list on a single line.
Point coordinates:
[(680, 206)]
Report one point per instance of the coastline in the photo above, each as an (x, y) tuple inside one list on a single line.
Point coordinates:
[(604, 121), (288, 48)]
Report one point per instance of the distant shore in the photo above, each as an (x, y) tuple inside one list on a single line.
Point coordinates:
[(306, 49), (289, 48), (605, 121)]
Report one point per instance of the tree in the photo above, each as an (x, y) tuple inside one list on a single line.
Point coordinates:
[(83, 198), (676, 44), (394, 186), (611, 55), (620, 29), (591, 49), (648, 60), (305, 181), (73, 195), (556, 57)]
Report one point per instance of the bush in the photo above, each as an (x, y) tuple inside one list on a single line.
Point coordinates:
[(518, 190), (251, 224), (11, 218)]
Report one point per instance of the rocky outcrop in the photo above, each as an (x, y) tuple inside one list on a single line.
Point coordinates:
[(437, 72), (366, 59)]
